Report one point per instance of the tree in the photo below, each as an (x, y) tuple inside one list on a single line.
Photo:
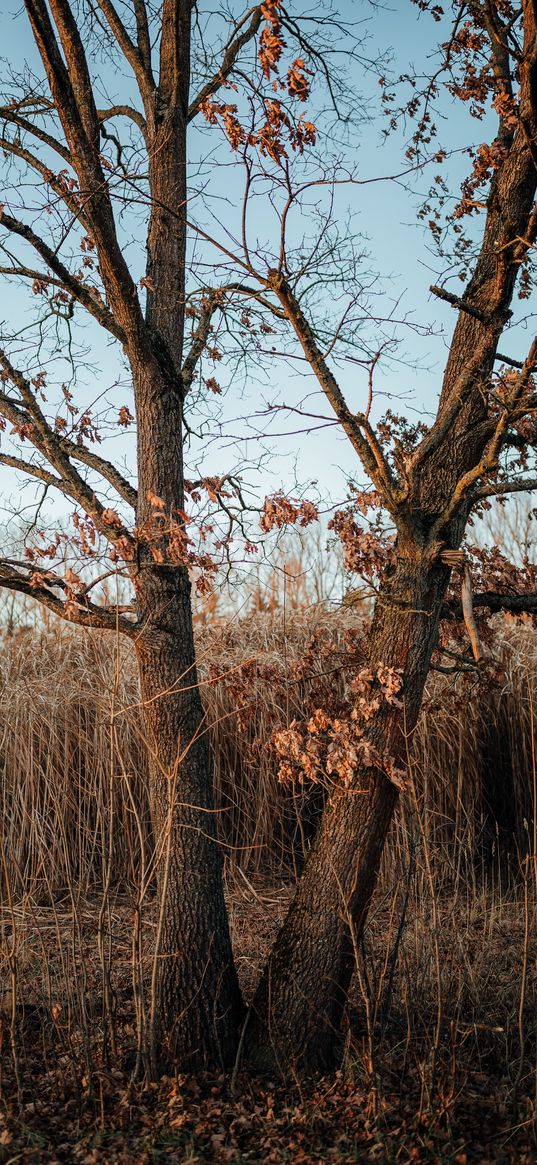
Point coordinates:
[(478, 447), (68, 244), (427, 482)]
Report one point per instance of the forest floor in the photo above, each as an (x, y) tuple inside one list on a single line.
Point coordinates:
[(440, 1061)]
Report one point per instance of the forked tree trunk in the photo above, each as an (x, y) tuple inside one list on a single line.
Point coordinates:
[(295, 1019), (197, 1004), (296, 1016)]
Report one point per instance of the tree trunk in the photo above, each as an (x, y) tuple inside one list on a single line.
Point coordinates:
[(196, 1000), (295, 1019), (197, 1005)]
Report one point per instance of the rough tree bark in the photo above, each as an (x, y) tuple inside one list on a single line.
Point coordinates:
[(295, 1021), (197, 1005), (198, 1008)]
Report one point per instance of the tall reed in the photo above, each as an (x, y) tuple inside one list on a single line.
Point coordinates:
[(72, 756)]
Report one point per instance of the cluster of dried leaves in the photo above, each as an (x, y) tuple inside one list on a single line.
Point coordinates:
[(277, 129)]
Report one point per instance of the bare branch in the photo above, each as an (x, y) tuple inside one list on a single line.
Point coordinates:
[(84, 295), (33, 470), (21, 418), (201, 335), (49, 443), (510, 361), (231, 52), (62, 190), (356, 426), (517, 485), (20, 272), (11, 116), (78, 72), (104, 468), (143, 38), (132, 54), (460, 304), (494, 602), (73, 99), (489, 460), (123, 111)]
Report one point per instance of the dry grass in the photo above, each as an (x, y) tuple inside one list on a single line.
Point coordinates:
[(73, 766), (441, 1054)]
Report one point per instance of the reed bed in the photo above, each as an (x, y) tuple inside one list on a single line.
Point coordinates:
[(440, 1059), (73, 762)]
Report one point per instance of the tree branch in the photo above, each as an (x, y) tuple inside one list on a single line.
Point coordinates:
[(32, 470), (94, 305), (73, 98), (86, 457), (494, 602), (80, 611), (30, 273), (12, 117), (104, 468), (510, 361), (49, 443), (123, 111), (356, 427), (459, 304), (78, 76), (517, 485), (61, 190), (134, 57), (231, 52), (200, 337), (489, 459), (143, 38)]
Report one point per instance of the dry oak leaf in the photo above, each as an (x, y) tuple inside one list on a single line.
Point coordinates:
[(110, 518)]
